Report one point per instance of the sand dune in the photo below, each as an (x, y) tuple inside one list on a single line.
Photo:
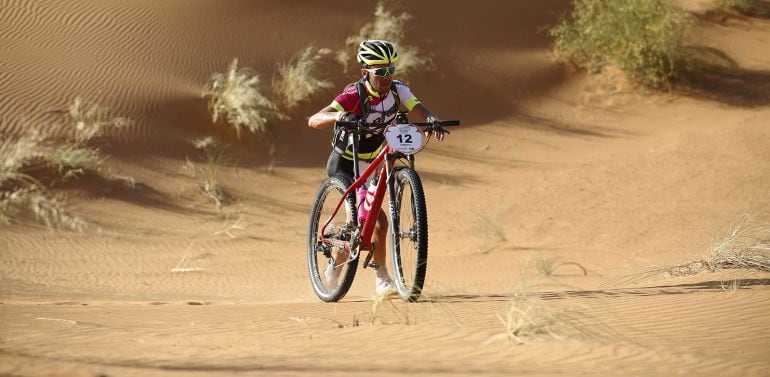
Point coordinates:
[(549, 164)]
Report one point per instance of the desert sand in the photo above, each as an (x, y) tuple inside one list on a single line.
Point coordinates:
[(549, 164)]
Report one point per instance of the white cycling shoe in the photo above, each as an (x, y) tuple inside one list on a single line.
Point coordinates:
[(332, 275), (384, 287)]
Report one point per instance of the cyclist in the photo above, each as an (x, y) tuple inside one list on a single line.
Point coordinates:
[(377, 96)]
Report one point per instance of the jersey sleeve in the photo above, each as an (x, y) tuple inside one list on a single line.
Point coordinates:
[(406, 96), (346, 101)]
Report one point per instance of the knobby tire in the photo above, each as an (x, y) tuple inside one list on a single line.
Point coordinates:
[(409, 249), (317, 260)]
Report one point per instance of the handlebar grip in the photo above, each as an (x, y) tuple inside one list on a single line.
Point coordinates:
[(442, 123), (346, 123)]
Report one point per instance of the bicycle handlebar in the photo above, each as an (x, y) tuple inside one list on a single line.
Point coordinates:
[(350, 125)]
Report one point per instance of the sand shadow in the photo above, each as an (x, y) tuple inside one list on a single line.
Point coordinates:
[(759, 9), (651, 291), (137, 193), (732, 86)]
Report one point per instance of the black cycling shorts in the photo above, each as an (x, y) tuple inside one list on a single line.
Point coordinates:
[(339, 165)]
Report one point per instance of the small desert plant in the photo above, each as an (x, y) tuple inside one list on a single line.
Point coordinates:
[(89, 120), (390, 27), (236, 97), (744, 245), (645, 38), (17, 204), (546, 266), (529, 318), (72, 161), (299, 79), (22, 196), (15, 154), (489, 228), (213, 157)]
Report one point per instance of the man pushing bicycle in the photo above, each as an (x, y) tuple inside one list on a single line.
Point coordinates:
[(375, 98)]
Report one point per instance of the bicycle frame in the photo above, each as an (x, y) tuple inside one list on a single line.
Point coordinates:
[(389, 157)]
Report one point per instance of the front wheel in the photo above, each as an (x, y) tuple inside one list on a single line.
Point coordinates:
[(328, 259), (409, 234)]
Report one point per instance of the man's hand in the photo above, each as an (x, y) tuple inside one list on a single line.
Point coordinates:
[(346, 116), (439, 132)]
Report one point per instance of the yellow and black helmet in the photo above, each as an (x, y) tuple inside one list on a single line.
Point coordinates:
[(375, 51)]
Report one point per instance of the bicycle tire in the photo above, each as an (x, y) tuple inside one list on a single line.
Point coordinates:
[(323, 205), (410, 260)]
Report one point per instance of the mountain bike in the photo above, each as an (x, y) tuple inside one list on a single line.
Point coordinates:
[(336, 237)]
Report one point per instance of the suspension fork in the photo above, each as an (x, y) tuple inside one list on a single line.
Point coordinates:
[(392, 192), (391, 185)]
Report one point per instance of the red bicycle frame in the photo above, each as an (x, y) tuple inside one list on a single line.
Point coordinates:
[(379, 195)]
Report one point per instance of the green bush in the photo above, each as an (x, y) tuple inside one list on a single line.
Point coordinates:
[(645, 38)]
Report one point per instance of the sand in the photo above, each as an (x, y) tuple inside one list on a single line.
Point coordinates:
[(549, 164)]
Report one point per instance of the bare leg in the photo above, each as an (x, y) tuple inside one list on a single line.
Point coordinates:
[(379, 238)]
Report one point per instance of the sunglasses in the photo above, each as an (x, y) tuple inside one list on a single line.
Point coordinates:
[(384, 71)]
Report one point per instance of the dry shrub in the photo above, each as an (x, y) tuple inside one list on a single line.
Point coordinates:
[(390, 27), (89, 122), (236, 97), (645, 38), (299, 79), (745, 245), (22, 197)]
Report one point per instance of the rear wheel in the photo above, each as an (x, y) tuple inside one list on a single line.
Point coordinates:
[(409, 236), (331, 270)]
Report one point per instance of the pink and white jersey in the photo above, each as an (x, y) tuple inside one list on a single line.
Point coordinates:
[(383, 109)]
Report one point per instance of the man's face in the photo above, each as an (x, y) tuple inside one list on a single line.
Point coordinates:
[(380, 83)]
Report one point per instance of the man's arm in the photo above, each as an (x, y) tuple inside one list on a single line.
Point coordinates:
[(323, 119), (429, 116)]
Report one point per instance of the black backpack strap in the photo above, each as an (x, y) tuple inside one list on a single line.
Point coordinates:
[(363, 98)]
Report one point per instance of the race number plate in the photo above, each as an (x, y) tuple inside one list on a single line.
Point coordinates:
[(404, 138)]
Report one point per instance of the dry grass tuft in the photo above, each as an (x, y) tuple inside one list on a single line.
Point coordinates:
[(546, 266), (213, 158), (90, 121), (22, 197), (72, 161), (529, 319), (388, 26), (18, 204), (15, 154), (491, 229), (745, 245), (299, 79), (236, 97)]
